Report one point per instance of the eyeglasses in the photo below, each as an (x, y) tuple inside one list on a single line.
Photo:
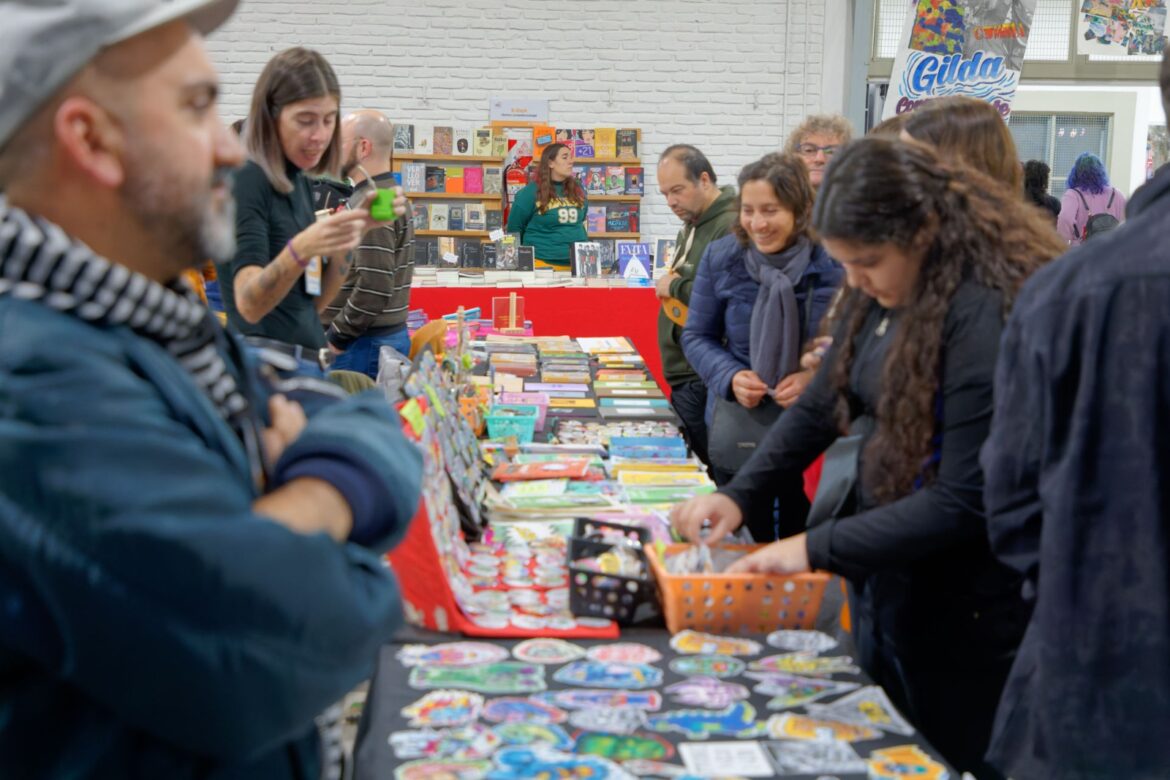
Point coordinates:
[(810, 150)]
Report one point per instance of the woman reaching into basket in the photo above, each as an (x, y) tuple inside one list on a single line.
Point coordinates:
[(934, 254)]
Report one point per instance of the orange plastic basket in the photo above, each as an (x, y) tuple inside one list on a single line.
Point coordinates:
[(735, 604)]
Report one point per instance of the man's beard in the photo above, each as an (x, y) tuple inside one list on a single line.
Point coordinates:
[(350, 163), (188, 228)]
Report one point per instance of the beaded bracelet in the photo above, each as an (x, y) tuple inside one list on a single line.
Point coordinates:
[(299, 261)]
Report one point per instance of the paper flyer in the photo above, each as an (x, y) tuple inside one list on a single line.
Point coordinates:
[(1121, 27)]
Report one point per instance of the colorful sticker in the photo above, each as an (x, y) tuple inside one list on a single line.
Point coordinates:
[(709, 692), (737, 720), (623, 747), (547, 651), (698, 643), (611, 720), (444, 709), (792, 690), (791, 726), (512, 710), (610, 675), (584, 698), (867, 707), (464, 743), (451, 770), (815, 757), (806, 663), (502, 677), (534, 734), (905, 762), (624, 653), (801, 641), (521, 763), (707, 666), (451, 654)]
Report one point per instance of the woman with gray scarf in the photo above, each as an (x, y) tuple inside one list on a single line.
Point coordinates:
[(759, 295)]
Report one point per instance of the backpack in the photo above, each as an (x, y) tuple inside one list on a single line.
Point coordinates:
[(1100, 222)]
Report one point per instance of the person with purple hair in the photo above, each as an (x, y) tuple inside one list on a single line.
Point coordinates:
[(1088, 193)]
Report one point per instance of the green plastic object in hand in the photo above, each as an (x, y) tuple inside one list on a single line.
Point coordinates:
[(382, 206)]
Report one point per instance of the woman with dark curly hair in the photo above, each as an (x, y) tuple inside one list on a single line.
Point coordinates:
[(934, 254), (1088, 194), (1036, 173), (549, 213)]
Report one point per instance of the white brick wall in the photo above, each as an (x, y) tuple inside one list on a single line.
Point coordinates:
[(730, 77)]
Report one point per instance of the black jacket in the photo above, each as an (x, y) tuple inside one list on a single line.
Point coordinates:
[(1078, 492)]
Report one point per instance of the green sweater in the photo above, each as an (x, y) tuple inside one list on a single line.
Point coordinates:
[(552, 233), (713, 223)]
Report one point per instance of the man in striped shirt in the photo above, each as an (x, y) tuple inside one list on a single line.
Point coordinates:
[(369, 311)]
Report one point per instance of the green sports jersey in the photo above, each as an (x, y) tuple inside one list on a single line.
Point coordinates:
[(552, 233)]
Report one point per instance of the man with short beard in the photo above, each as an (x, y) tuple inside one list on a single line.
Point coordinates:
[(370, 310), (183, 556)]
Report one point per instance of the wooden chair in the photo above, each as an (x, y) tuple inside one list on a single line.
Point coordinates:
[(433, 333)]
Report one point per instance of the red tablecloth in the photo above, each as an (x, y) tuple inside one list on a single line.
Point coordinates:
[(565, 311)]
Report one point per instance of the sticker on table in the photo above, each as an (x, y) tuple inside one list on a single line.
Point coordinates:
[(792, 726), (451, 654), (904, 762), (806, 663), (534, 734), (801, 641), (737, 720), (609, 675), (513, 710), (726, 759), (815, 757), (625, 653), (792, 690), (867, 707), (709, 692), (643, 768), (611, 720), (547, 651), (451, 770), (502, 677), (698, 643), (623, 747), (584, 698), (444, 709), (521, 763), (707, 666), (463, 743)]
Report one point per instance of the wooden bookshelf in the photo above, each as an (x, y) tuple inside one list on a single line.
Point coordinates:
[(469, 158), (456, 233), (605, 235), (633, 162), (612, 198), (454, 195)]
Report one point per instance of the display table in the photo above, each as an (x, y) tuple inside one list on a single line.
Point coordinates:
[(664, 721), (565, 311)]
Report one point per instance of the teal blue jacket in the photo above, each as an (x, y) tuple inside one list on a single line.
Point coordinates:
[(152, 624)]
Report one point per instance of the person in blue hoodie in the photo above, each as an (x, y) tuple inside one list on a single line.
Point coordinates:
[(758, 298), (189, 565)]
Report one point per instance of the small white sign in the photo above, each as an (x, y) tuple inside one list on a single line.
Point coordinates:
[(497, 234), (450, 258), (518, 110), (726, 759)]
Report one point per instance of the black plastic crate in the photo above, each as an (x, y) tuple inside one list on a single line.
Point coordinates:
[(614, 597)]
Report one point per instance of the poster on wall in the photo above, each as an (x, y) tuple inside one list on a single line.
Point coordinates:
[(951, 47), (1119, 28)]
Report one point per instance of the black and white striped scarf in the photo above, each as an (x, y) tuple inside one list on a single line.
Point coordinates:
[(39, 262)]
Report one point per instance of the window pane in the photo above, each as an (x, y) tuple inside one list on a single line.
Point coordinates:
[(890, 18), (1048, 38), (1031, 133), (1077, 133)]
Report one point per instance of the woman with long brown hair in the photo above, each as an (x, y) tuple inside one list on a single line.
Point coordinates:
[(549, 213), (934, 254), (969, 130)]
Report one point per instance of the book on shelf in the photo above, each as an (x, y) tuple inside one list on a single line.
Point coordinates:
[(461, 141), (493, 219), (519, 140), (583, 147), (634, 262), (525, 258), (444, 138), (507, 252), (439, 215), (414, 177), (470, 253), (499, 144), (424, 251), (621, 218), (634, 181), (595, 219), (473, 180), (453, 180), (615, 180), (586, 259), (493, 180), (595, 180), (607, 259), (627, 144), (424, 139), (489, 255), (474, 217), (542, 136), (483, 142), (420, 216), (605, 142), (448, 256), (663, 256), (581, 173), (455, 217), (436, 178), (404, 138)]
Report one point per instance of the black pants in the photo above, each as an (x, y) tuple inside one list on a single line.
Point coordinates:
[(689, 400)]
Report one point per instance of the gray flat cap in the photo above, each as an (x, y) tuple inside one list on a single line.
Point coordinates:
[(44, 43)]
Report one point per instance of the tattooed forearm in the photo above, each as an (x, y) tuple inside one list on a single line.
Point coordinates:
[(259, 289)]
